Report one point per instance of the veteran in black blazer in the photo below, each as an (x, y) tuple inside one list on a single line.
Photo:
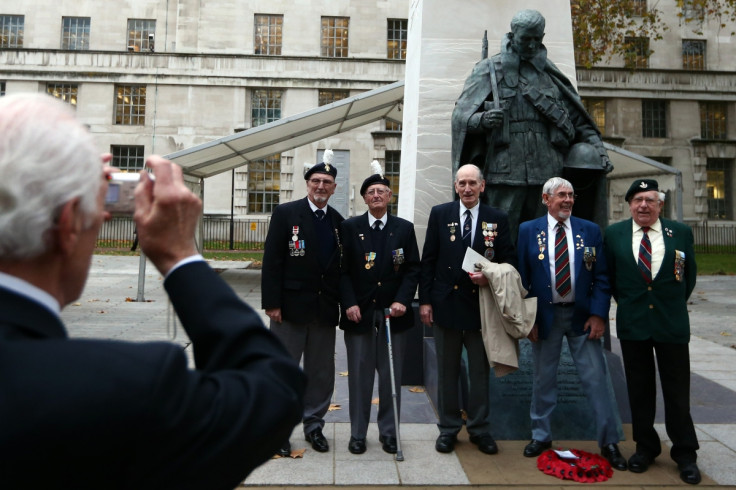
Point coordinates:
[(299, 290), (90, 413), (448, 298), (652, 274), (380, 270)]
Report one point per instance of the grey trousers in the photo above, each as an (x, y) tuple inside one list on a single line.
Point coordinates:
[(368, 353), (316, 342)]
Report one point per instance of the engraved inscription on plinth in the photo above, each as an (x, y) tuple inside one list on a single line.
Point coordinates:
[(510, 398)]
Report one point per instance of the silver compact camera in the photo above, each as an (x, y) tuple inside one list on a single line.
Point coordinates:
[(120, 198)]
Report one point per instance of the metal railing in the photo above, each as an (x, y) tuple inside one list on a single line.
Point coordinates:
[(218, 233), (715, 238)]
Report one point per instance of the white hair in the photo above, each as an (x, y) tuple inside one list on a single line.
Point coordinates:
[(551, 186), (661, 195), (47, 158)]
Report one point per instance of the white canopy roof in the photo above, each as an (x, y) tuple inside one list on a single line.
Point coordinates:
[(239, 149)]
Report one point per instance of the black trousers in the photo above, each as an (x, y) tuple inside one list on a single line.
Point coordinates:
[(673, 361)]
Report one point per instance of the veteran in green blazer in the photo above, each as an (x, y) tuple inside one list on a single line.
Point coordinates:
[(652, 274)]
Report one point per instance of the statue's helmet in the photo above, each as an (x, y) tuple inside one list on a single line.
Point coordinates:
[(584, 156)]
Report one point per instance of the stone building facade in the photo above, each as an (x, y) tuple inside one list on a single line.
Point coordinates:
[(158, 76)]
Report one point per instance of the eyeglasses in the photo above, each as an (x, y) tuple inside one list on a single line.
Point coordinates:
[(379, 192), (563, 195), (648, 200), (324, 182)]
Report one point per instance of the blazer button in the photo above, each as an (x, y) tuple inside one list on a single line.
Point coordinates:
[(649, 288), (374, 300), (379, 283), (455, 287), (473, 291), (651, 307)]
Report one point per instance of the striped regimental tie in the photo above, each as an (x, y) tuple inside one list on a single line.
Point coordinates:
[(563, 281), (645, 255)]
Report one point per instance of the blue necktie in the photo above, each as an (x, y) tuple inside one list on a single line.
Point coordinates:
[(320, 214), (467, 228)]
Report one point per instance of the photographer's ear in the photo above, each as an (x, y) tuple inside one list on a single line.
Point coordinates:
[(68, 227)]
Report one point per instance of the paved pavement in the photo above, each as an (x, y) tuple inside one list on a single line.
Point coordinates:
[(107, 309)]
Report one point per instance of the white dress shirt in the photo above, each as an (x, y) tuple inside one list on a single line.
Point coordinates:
[(655, 238)]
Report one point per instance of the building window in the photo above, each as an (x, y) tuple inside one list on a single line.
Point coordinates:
[(267, 31), (392, 125), (654, 119), (11, 31), (127, 158), (266, 106), (637, 52), (719, 181), (693, 54), (75, 33), (335, 37), (130, 105), (2, 89), (596, 108), (396, 39), (639, 7), (692, 12), (393, 162), (330, 96), (713, 120), (264, 184), (64, 91), (140, 34)]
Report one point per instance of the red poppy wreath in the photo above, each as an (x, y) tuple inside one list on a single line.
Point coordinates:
[(576, 465)]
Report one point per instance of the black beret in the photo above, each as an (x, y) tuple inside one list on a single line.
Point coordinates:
[(322, 168), (374, 179), (641, 185)]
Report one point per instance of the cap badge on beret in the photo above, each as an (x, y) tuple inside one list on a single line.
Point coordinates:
[(643, 185)]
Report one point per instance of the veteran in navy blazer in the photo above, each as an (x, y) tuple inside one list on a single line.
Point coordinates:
[(561, 263), (653, 273), (92, 413), (448, 300), (299, 290), (380, 270)]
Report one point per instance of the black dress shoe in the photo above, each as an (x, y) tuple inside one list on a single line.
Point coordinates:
[(639, 462), (356, 446), (389, 444), (445, 443), (285, 450), (535, 448), (613, 455), (689, 473), (319, 443), (485, 443)]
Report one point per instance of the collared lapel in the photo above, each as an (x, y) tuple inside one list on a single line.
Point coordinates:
[(670, 245), (307, 231), (549, 244), (28, 318), (366, 239), (390, 242), (457, 245), (578, 237)]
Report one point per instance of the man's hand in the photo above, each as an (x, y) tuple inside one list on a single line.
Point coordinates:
[(492, 119), (274, 314), (353, 313), (397, 309), (166, 215), (425, 313), (596, 325), (478, 278), (534, 333)]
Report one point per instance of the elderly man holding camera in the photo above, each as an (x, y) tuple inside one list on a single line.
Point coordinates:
[(102, 413)]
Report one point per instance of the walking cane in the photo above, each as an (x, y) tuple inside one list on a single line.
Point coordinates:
[(399, 454)]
